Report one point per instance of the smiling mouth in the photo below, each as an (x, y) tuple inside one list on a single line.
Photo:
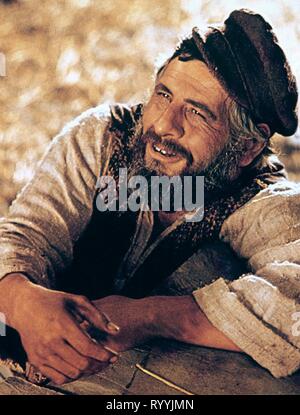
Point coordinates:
[(162, 152)]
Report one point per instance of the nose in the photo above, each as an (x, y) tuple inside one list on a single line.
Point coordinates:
[(168, 124)]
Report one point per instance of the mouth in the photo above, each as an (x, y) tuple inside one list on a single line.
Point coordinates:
[(161, 152)]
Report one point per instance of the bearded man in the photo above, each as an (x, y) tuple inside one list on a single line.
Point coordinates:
[(229, 281)]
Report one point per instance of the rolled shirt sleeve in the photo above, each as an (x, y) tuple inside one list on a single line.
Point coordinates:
[(260, 311), (49, 214)]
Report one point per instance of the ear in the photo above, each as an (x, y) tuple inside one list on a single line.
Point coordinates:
[(264, 129), (253, 148)]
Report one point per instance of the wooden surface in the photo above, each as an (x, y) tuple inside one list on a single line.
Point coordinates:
[(196, 369)]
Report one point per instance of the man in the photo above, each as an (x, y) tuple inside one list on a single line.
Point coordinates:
[(66, 266)]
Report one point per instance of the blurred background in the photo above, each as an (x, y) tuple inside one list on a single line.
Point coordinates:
[(64, 56)]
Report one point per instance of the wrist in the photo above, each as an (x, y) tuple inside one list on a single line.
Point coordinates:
[(149, 316), (13, 291), (172, 316)]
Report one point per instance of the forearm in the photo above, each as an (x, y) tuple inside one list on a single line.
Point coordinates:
[(181, 318)]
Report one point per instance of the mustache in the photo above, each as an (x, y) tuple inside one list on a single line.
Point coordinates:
[(171, 145)]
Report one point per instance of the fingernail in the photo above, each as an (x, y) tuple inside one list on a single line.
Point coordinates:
[(113, 359), (113, 327)]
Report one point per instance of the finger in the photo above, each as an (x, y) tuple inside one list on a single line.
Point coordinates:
[(112, 326), (73, 309), (71, 356), (33, 375), (81, 342), (56, 377), (112, 351), (60, 365), (82, 363), (97, 318), (93, 364), (97, 335)]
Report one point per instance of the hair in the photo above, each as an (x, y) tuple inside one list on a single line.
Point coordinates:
[(240, 122), (242, 127)]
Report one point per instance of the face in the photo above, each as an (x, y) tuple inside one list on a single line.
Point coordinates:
[(184, 123)]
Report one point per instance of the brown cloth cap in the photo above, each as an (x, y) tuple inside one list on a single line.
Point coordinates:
[(245, 56)]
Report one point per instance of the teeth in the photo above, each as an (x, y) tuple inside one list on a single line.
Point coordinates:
[(157, 149), (164, 152)]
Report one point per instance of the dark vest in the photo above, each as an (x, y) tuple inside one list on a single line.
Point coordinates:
[(101, 248)]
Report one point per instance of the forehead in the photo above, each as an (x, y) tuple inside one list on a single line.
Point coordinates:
[(193, 80)]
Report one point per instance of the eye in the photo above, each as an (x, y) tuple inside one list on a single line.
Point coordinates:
[(163, 95), (194, 115)]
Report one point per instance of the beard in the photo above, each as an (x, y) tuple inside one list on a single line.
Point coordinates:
[(218, 174)]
